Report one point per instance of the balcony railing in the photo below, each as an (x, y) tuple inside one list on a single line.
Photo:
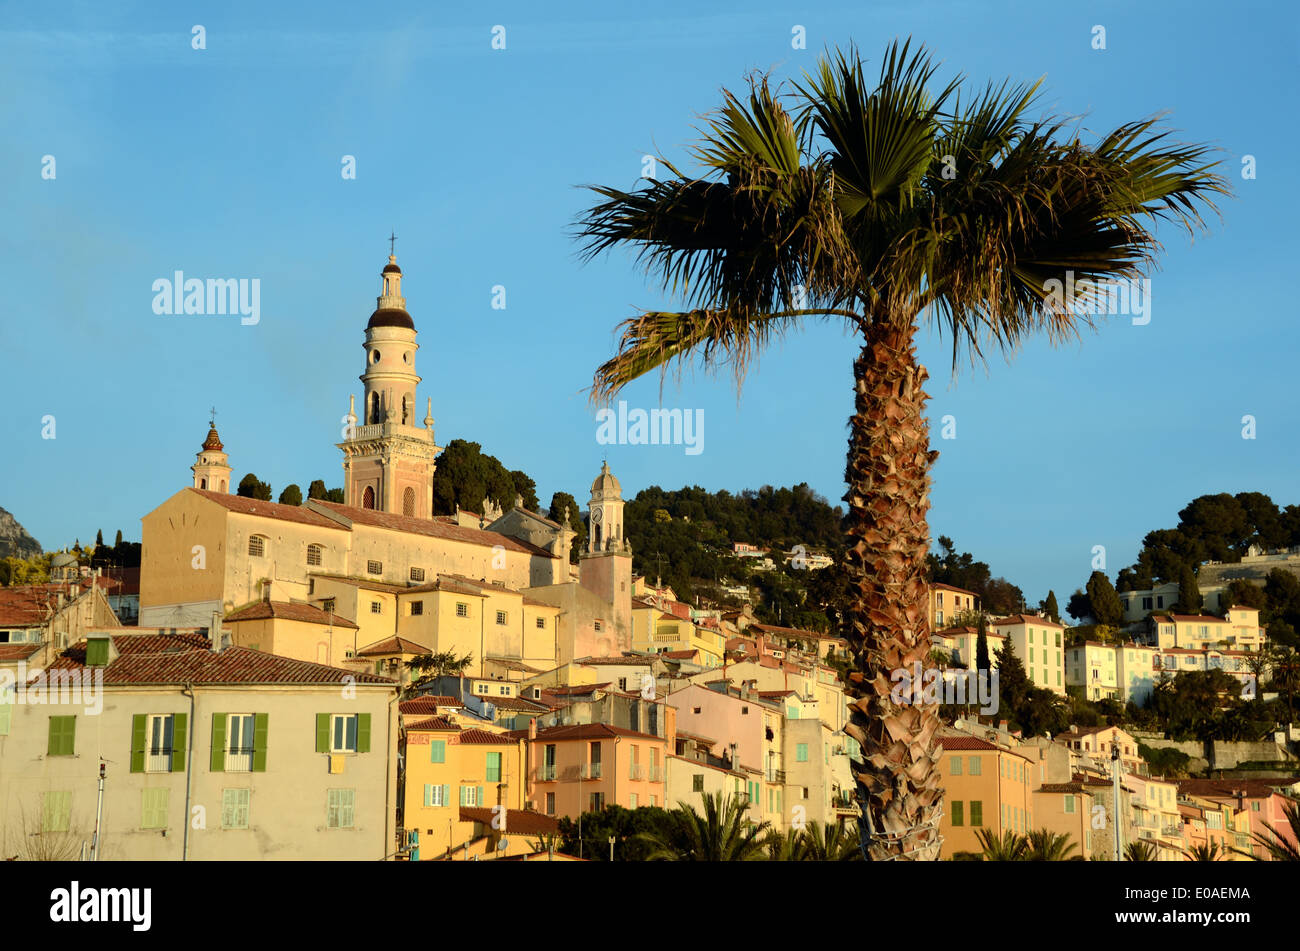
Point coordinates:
[(591, 771), (776, 776), (546, 774), (656, 774), (239, 761), (636, 771), (159, 762)]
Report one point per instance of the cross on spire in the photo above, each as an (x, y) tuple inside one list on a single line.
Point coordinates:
[(213, 411), (392, 243)]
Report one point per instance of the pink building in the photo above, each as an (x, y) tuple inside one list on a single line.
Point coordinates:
[(585, 767)]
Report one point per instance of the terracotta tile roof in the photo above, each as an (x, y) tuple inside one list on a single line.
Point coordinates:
[(1228, 788), (429, 703), (949, 587), (574, 691), (289, 611), (285, 513), (510, 664), (177, 659), (625, 660), (431, 528), (487, 737), (966, 743), (392, 645), (17, 651), (30, 605), (791, 631), (518, 821), (519, 704), (585, 731), (1061, 788), (681, 655), (367, 583), (441, 724), (1027, 619)]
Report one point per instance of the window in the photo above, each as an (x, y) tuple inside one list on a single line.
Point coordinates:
[(954, 766), (632, 798), (976, 812), (462, 609), (1146, 604), (976, 766), (408, 497), (548, 765), (328, 606), (239, 744), (1058, 638), (472, 796), (550, 803), (374, 567), (541, 622), (63, 736), (368, 496), (153, 809), (343, 730), (438, 751), (56, 811), (417, 574), (697, 783), (501, 617), (494, 768), (341, 808), (417, 608), (598, 801), (256, 546), (1069, 804), (313, 554), (801, 753), (376, 607), (234, 808), (958, 816), (160, 733), (744, 711)]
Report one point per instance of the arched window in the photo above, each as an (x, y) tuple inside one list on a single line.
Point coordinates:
[(313, 554), (406, 411), (408, 502), (223, 485), (597, 548), (374, 408), (368, 498), (257, 546), (203, 483)]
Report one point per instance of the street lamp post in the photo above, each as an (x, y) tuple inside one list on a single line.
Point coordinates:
[(611, 848), (1116, 767)]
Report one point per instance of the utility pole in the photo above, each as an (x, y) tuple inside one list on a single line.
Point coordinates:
[(1116, 768), (99, 816)]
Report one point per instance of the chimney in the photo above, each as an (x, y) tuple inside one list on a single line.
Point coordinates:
[(219, 639)]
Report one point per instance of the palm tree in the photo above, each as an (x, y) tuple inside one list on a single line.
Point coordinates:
[(724, 833), (1008, 847), (1278, 847), (783, 846), (1045, 846), (1211, 852), (1140, 851), (830, 842), (876, 204)]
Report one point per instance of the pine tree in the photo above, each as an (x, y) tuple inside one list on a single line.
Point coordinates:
[(99, 538), (1050, 608), (982, 646), (1190, 600), (1104, 600)]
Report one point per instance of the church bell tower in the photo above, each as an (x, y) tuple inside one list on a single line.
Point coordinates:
[(388, 460)]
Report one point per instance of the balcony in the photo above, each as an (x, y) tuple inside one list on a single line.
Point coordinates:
[(636, 772), (656, 774), (776, 776), (546, 774), (591, 771)]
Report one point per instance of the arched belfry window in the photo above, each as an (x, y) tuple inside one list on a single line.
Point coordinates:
[(203, 483), (368, 498), (374, 408), (406, 412), (408, 502)]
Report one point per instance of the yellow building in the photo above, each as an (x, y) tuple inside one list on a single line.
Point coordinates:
[(1066, 809), (450, 767), (985, 786), (1037, 642), (947, 603), (299, 631), (1090, 666)]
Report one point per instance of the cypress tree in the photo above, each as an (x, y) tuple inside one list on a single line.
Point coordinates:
[(982, 646)]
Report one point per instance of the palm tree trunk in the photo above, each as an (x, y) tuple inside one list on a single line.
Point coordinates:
[(888, 622)]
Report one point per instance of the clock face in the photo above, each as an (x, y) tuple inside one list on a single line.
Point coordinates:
[(596, 515)]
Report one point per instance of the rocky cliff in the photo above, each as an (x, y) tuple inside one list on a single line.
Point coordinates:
[(14, 539)]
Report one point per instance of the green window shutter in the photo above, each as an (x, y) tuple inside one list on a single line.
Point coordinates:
[(179, 735), (217, 762), (438, 751), (63, 736), (462, 795), (494, 767), (363, 733), (481, 800), (322, 733), (446, 794), (261, 728), (138, 729)]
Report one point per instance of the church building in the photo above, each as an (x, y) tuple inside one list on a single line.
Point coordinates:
[(322, 581)]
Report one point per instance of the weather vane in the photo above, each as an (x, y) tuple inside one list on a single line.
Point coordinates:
[(213, 411)]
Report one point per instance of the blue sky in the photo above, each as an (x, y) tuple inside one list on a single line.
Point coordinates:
[(226, 162)]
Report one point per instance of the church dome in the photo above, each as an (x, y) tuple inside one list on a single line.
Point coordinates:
[(213, 442), (391, 269), (390, 317), (606, 483)]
